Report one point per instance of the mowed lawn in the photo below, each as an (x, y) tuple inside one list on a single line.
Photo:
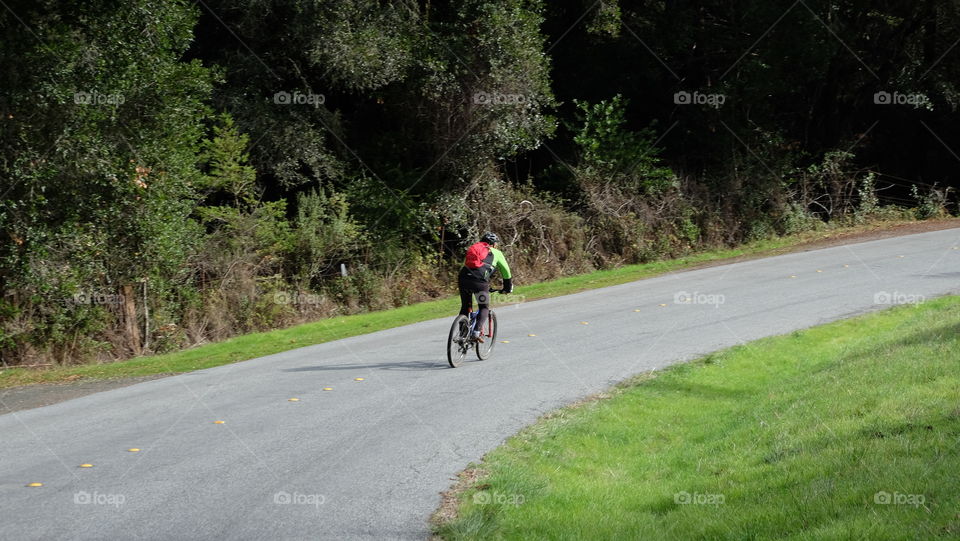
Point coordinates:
[(846, 431)]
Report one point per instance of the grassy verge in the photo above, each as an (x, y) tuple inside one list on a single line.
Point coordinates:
[(254, 345), (845, 431)]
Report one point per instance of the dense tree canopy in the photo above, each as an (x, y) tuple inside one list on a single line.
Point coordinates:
[(173, 172)]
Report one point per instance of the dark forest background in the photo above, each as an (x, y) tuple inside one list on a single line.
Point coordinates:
[(173, 172)]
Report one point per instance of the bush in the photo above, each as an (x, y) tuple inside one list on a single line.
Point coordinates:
[(634, 206), (540, 238), (798, 219), (932, 204), (323, 235)]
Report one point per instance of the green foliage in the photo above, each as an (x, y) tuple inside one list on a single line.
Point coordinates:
[(263, 229), (617, 154), (364, 44), (634, 208), (323, 236), (361, 288), (869, 202), (250, 230), (389, 212), (606, 19), (101, 125), (540, 237), (486, 82), (932, 204), (227, 157), (689, 231), (797, 219)]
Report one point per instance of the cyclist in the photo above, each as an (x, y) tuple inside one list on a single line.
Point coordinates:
[(483, 258)]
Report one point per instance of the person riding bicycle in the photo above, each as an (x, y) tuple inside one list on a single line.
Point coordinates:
[(483, 258)]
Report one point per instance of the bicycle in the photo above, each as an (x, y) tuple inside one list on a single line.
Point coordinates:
[(461, 338)]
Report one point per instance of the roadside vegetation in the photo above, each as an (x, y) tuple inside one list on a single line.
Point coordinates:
[(849, 430), (258, 344), (177, 173)]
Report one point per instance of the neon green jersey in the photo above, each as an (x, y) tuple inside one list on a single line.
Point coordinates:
[(500, 263)]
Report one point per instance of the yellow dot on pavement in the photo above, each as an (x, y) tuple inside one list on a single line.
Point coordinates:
[(818, 270), (531, 335), (218, 422), (35, 485), (504, 341), (584, 322), (86, 465), (293, 400), (357, 379), (900, 256), (846, 266), (328, 388), (793, 276), (134, 450), (663, 305), (636, 309)]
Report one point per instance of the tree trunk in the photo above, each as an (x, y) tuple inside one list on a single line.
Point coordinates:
[(131, 330)]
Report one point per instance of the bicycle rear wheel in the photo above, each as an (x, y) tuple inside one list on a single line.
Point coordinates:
[(489, 334), (458, 342)]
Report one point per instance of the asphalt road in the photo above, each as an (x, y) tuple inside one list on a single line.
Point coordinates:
[(367, 459)]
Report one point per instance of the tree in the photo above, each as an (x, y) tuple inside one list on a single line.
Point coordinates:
[(100, 131)]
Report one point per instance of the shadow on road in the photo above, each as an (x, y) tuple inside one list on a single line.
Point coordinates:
[(400, 365)]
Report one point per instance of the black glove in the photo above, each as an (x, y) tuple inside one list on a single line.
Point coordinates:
[(507, 285)]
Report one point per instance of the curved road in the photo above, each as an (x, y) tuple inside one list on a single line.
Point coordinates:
[(367, 459)]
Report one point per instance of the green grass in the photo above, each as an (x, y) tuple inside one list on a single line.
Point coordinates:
[(791, 437), (254, 345)]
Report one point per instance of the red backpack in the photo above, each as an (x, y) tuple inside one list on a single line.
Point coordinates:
[(476, 254)]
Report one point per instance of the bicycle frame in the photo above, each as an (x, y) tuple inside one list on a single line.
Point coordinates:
[(486, 330)]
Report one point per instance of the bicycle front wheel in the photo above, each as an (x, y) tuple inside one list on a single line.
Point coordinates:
[(489, 333), (458, 342)]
